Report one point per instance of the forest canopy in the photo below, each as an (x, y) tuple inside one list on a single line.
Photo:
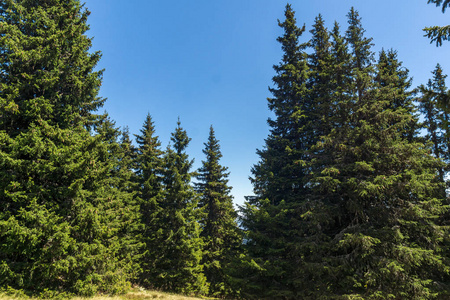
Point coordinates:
[(351, 187)]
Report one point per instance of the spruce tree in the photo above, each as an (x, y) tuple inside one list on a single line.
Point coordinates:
[(393, 78), (279, 179), (280, 171), (381, 187), (220, 232), (119, 156), (434, 105), (366, 224), (438, 33), (321, 76), (177, 246), (62, 216), (148, 168)]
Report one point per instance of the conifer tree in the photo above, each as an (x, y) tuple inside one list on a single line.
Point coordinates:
[(119, 155), (384, 206), (279, 173), (321, 66), (434, 106), (177, 246), (438, 33), (393, 78), (364, 226), (280, 178), (62, 216), (127, 161), (149, 168), (220, 232)]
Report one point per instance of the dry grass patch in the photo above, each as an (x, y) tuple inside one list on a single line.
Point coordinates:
[(134, 295)]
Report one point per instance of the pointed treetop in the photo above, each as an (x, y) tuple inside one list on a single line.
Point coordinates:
[(355, 35), (180, 138)]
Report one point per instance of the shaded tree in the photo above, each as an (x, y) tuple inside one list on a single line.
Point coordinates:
[(220, 232), (177, 246)]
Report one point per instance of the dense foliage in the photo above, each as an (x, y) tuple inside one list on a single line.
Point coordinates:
[(221, 235), (65, 216), (366, 222), (350, 190)]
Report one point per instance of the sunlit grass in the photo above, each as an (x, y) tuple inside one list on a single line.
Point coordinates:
[(134, 295)]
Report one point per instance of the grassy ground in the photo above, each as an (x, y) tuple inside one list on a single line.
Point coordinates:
[(134, 295)]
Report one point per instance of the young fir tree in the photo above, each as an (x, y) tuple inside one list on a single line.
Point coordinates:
[(149, 166), (382, 188), (62, 215), (434, 104), (220, 232), (177, 246)]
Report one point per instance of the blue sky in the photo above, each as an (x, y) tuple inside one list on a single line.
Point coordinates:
[(210, 62)]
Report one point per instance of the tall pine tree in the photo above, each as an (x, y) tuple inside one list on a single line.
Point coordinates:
[(62, 215), (280, 178), (149, 168), (364, 226), (177, 245), (381, 184), (220, 232), (434, 105)]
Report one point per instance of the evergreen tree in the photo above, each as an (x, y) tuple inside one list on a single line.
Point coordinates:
[(127, 161), (271, 219), (119, 156), (364, 225), (280, 171), (383, 241), (392, 78), (47, 69), (438, 33), (434, 106), (149, 167), (63, 218), (177, 247), (220, 232), (321, 66)]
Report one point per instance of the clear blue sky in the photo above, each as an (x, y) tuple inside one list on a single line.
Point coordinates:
[(210, 62)]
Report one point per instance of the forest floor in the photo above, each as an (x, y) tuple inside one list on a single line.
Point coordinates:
[(133, 295)]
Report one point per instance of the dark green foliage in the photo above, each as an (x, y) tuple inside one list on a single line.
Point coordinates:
[(279, 176), (366, 223), (383, 206), (64, 225), (149, 168), (66, 219), (148, 163), (281, 169), (47, 70), (438, 33), (177, 245), (434, 105), (393, 82), (121, 179), (220, 232)]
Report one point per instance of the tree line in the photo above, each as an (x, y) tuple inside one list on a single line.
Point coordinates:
[(350, 189)]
